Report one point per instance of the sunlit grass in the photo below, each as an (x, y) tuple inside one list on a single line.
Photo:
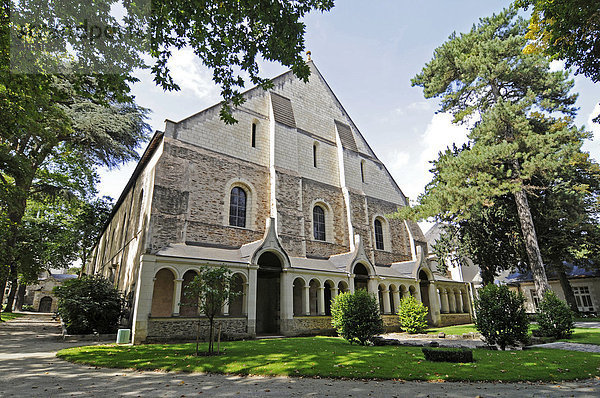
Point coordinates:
[(585, 335), (7, 316), (456, 329), (334, 357)]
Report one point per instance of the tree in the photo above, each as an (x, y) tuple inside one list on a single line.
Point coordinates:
[(500, 316), (412, 315), (89, 304), (209, 291), (554, 317), (568, 30), (89, 222), (228, 36), (355, 316), (516, 101)]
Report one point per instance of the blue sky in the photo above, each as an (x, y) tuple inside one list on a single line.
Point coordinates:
[(367, 51)]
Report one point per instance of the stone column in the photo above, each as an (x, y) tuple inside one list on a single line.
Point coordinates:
[(444, 296), (434, 304), (287, 301), (334, 292), (452, 301), (386, 301), (396, 300), (226, 309), (245, 299), (459, 302), (321, 309), (143, 298), (251, 301), (418, 293), (306, 300), (351, 283), (176, 296)]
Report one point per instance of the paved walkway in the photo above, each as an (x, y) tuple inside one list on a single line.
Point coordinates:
[(29, 368), (561, 345)]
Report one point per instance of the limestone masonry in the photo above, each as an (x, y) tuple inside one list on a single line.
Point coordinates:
[(291, 198)]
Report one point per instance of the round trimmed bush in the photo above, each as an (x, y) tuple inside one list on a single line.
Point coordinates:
[(355, 316), (554, 317), (500, 316), (413, 315), (89, 304)]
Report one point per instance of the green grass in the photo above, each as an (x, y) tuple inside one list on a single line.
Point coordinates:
[(590, 319), (457, 329), (585, 335), (7, 316), (333, 357)]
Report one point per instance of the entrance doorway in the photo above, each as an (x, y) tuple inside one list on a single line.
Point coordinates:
[(45, 304), (425, 299), (361, 277), (268, 294)]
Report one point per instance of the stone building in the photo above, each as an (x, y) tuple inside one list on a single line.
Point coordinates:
[(291, 198), (40, 295)]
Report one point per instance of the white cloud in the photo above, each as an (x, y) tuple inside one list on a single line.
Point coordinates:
[(594, 127), (593, 145), (189, 73), (557, 65), (419, 106), (440, 134)]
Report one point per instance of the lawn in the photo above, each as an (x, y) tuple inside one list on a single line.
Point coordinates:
[(585, 335), (334, 357), (7, 316), (456, 329)]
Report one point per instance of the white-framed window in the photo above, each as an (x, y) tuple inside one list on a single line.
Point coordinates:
[(321, 221), (381, 233), (535, 299), (239, 202), (583, 298)]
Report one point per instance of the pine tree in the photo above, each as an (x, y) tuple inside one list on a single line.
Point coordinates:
[(522, 117)]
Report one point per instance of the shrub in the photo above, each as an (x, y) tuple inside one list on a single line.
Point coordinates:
[(413, 315), (460, 355), (89, 304), (500, 316), (27, 307), (355, 316), (554, 317)]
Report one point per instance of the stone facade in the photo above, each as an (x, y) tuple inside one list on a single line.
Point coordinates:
[(185, 329), (288, 198)]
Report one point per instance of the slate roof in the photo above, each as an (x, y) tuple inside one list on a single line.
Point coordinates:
[(573, 271)]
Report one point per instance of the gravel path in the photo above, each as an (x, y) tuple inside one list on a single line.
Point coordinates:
[(29, 368), (560, 345)]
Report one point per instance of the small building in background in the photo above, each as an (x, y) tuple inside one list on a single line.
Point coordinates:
[(40, 297)]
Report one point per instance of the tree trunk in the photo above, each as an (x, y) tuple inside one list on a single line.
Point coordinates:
[(11, 295), (567, 289), (534, 255), (210, 336), (20, 297), (2, 289)]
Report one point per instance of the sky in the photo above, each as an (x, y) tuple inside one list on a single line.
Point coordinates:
[(367, 51)]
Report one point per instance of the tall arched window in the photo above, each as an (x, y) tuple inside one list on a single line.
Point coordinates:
[(237, 207), (314, 155), (378, 235), (319, 223), (253, 135)]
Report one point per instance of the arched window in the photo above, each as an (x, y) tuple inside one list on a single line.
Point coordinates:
[(319, 223), (237, 207), (315, 155), (253, 135), (378, 235), (362, 170)]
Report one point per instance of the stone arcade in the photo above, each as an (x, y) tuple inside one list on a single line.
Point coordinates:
[(291, 198)]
